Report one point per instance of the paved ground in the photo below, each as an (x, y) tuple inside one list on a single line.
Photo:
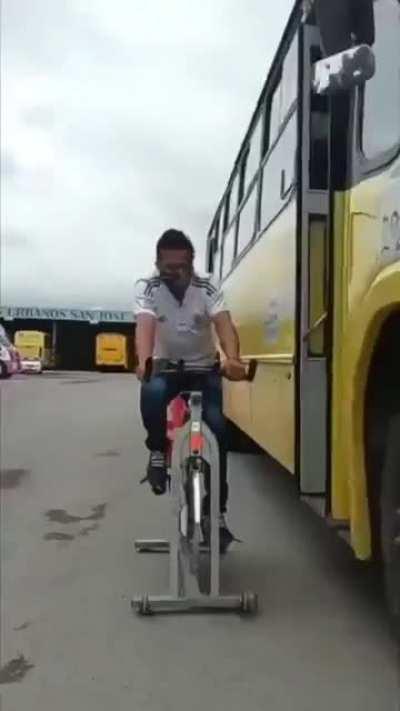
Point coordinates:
[(71, 458)]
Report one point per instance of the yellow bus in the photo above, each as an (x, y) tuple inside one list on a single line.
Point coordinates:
[(306, 242), (111, 350), (34, 345)]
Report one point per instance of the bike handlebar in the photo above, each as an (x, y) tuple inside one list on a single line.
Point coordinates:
[(180, 369)]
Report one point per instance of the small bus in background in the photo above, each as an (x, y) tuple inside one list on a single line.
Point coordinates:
[(111, 351), (35, 350)]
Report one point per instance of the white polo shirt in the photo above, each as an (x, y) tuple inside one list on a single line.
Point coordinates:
[(184, 330)]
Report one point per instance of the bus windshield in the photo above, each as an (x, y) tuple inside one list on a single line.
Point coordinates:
[(381, 116)]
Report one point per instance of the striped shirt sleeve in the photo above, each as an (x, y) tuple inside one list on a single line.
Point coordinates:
[(215, 297), (144, 301)]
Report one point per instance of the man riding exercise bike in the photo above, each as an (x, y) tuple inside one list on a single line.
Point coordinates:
[(176, 311)]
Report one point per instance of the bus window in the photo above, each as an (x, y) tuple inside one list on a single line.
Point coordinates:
[(319, 136), (381, 125), (247, 223), (213, 245), (242, 177), (275, 114), (285, 93), (266, 128), (226, 212), (234, 195), (217, 263), (289, 79), (229, 250), (254, 152), (279, 173), (211, 255), (231, 201)]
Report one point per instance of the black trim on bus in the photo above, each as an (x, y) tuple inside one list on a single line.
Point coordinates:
[(329, 330), (298, 303), (304, 81)]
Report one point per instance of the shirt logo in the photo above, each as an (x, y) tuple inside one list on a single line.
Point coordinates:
[(198, 320)]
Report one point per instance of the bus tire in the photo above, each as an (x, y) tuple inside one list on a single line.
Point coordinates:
[(390, 521)]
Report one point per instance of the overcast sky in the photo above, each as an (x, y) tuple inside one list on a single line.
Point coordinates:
[(120, 118)]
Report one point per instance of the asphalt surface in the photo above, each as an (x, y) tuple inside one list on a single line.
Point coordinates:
[(71, 459)]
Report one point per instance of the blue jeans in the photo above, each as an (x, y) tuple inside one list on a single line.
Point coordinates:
[(154, 399)]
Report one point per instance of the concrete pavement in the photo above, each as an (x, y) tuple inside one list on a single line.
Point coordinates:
[(71, 457)]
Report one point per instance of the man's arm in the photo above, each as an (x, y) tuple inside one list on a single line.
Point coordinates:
[(145, 325), (228, 337), (145, 336)]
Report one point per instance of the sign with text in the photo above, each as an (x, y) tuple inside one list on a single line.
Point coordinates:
[(9, 313)]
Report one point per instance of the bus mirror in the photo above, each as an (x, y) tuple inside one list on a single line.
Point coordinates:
[(344, 70)]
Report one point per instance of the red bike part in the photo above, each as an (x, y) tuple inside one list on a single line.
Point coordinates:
[(196, 442), (178, 413)]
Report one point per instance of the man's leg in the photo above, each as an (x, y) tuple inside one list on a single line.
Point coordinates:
[(154, 398), (214, 417)]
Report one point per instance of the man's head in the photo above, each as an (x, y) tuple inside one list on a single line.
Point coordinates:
[(175, 255)]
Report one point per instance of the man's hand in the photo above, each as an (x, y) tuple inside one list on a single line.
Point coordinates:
[(140, 371), (145, 334), (234, 369)]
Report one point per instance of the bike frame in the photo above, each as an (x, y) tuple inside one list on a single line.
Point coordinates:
[(193, 444)]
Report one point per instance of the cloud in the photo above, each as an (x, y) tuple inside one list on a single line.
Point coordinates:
[(9, 167), (40, 116), (120, 120), (17, 240)]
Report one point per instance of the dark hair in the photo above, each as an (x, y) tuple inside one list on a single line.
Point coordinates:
[(174, 239)]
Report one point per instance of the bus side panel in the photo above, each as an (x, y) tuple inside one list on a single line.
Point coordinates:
[(365, 246), (261, 295), (274, 430), (355, 265), (340, 503), (364, 295)]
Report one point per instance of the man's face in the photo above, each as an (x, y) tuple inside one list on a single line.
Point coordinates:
[(175, 266)]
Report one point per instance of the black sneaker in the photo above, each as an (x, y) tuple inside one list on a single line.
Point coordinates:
[(225, 535), (157, 475)]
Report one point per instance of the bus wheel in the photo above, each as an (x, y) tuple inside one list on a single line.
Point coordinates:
[(390, 520)]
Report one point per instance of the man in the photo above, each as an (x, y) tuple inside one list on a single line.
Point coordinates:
[(175, 313)]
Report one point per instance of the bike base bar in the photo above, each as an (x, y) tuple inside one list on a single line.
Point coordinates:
[(161, 545), (166, 603)]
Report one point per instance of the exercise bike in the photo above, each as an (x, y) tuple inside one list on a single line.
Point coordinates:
[(194, 450)]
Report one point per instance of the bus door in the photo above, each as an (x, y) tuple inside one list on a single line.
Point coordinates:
[(313, 284)]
